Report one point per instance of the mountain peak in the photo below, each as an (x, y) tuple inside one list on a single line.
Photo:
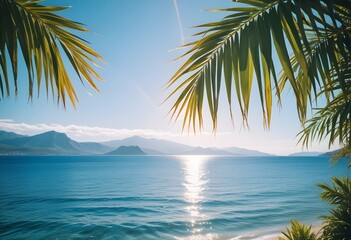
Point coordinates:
[(135, 137), (53, 132), (51, 139)]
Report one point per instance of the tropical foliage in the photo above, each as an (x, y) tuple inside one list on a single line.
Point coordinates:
[(299, 231), (310, 39), (338, 225), (42, 35)]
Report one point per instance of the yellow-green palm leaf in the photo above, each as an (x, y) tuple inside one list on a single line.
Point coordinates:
[(244, 44), (41, 35), (299, 231)]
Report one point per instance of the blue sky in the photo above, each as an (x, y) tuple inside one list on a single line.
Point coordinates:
[(136, 40)]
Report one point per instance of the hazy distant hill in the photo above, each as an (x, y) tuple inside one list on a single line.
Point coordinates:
[(305, 154), (331, 153), (153, 146), (244, 151), (50, 143), (93, 148), (206, 151), (127, 150), (161, 146)]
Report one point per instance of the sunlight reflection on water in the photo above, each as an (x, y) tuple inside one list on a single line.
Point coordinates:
[(195, 181)]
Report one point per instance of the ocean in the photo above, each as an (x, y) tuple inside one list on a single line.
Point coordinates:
[(159, 197)]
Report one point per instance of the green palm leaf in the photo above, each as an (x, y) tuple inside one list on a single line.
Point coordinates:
[(40, 34), (334, 120), (299, 231), (338, 224), (316, 35), (225, 48)]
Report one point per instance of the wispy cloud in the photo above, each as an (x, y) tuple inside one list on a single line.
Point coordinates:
[(90, 133), (82, 133)]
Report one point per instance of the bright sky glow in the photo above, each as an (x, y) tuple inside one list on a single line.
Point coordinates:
[(135, 38)]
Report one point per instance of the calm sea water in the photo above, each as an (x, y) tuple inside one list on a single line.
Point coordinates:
[(163, 197)]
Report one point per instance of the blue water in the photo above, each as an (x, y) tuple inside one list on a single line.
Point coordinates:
[(163, 197)]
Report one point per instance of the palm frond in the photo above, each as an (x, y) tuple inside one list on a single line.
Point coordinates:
[(241, 46), (232, 49), (338, 193), (299, 231), (338, 224), (334, 120), (41, 34)]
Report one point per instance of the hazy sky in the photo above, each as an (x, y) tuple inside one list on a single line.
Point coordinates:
[(136, 39)]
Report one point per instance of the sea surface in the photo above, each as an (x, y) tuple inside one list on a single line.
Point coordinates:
[(159, 197)]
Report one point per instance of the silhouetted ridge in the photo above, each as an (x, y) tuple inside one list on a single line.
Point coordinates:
[(127, 150)]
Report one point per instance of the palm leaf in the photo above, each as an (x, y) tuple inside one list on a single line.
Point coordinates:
[(40, 33), (338, 224), (317, 32), (334, 120), (225, 47), (299, 231)]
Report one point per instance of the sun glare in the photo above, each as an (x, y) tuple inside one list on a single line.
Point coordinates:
[(194, 181)]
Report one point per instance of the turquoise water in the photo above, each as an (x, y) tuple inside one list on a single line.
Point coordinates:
[(159, 197)]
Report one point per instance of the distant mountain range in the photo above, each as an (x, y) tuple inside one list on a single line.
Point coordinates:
[(152, 146), (54, 143), (306, 154)]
